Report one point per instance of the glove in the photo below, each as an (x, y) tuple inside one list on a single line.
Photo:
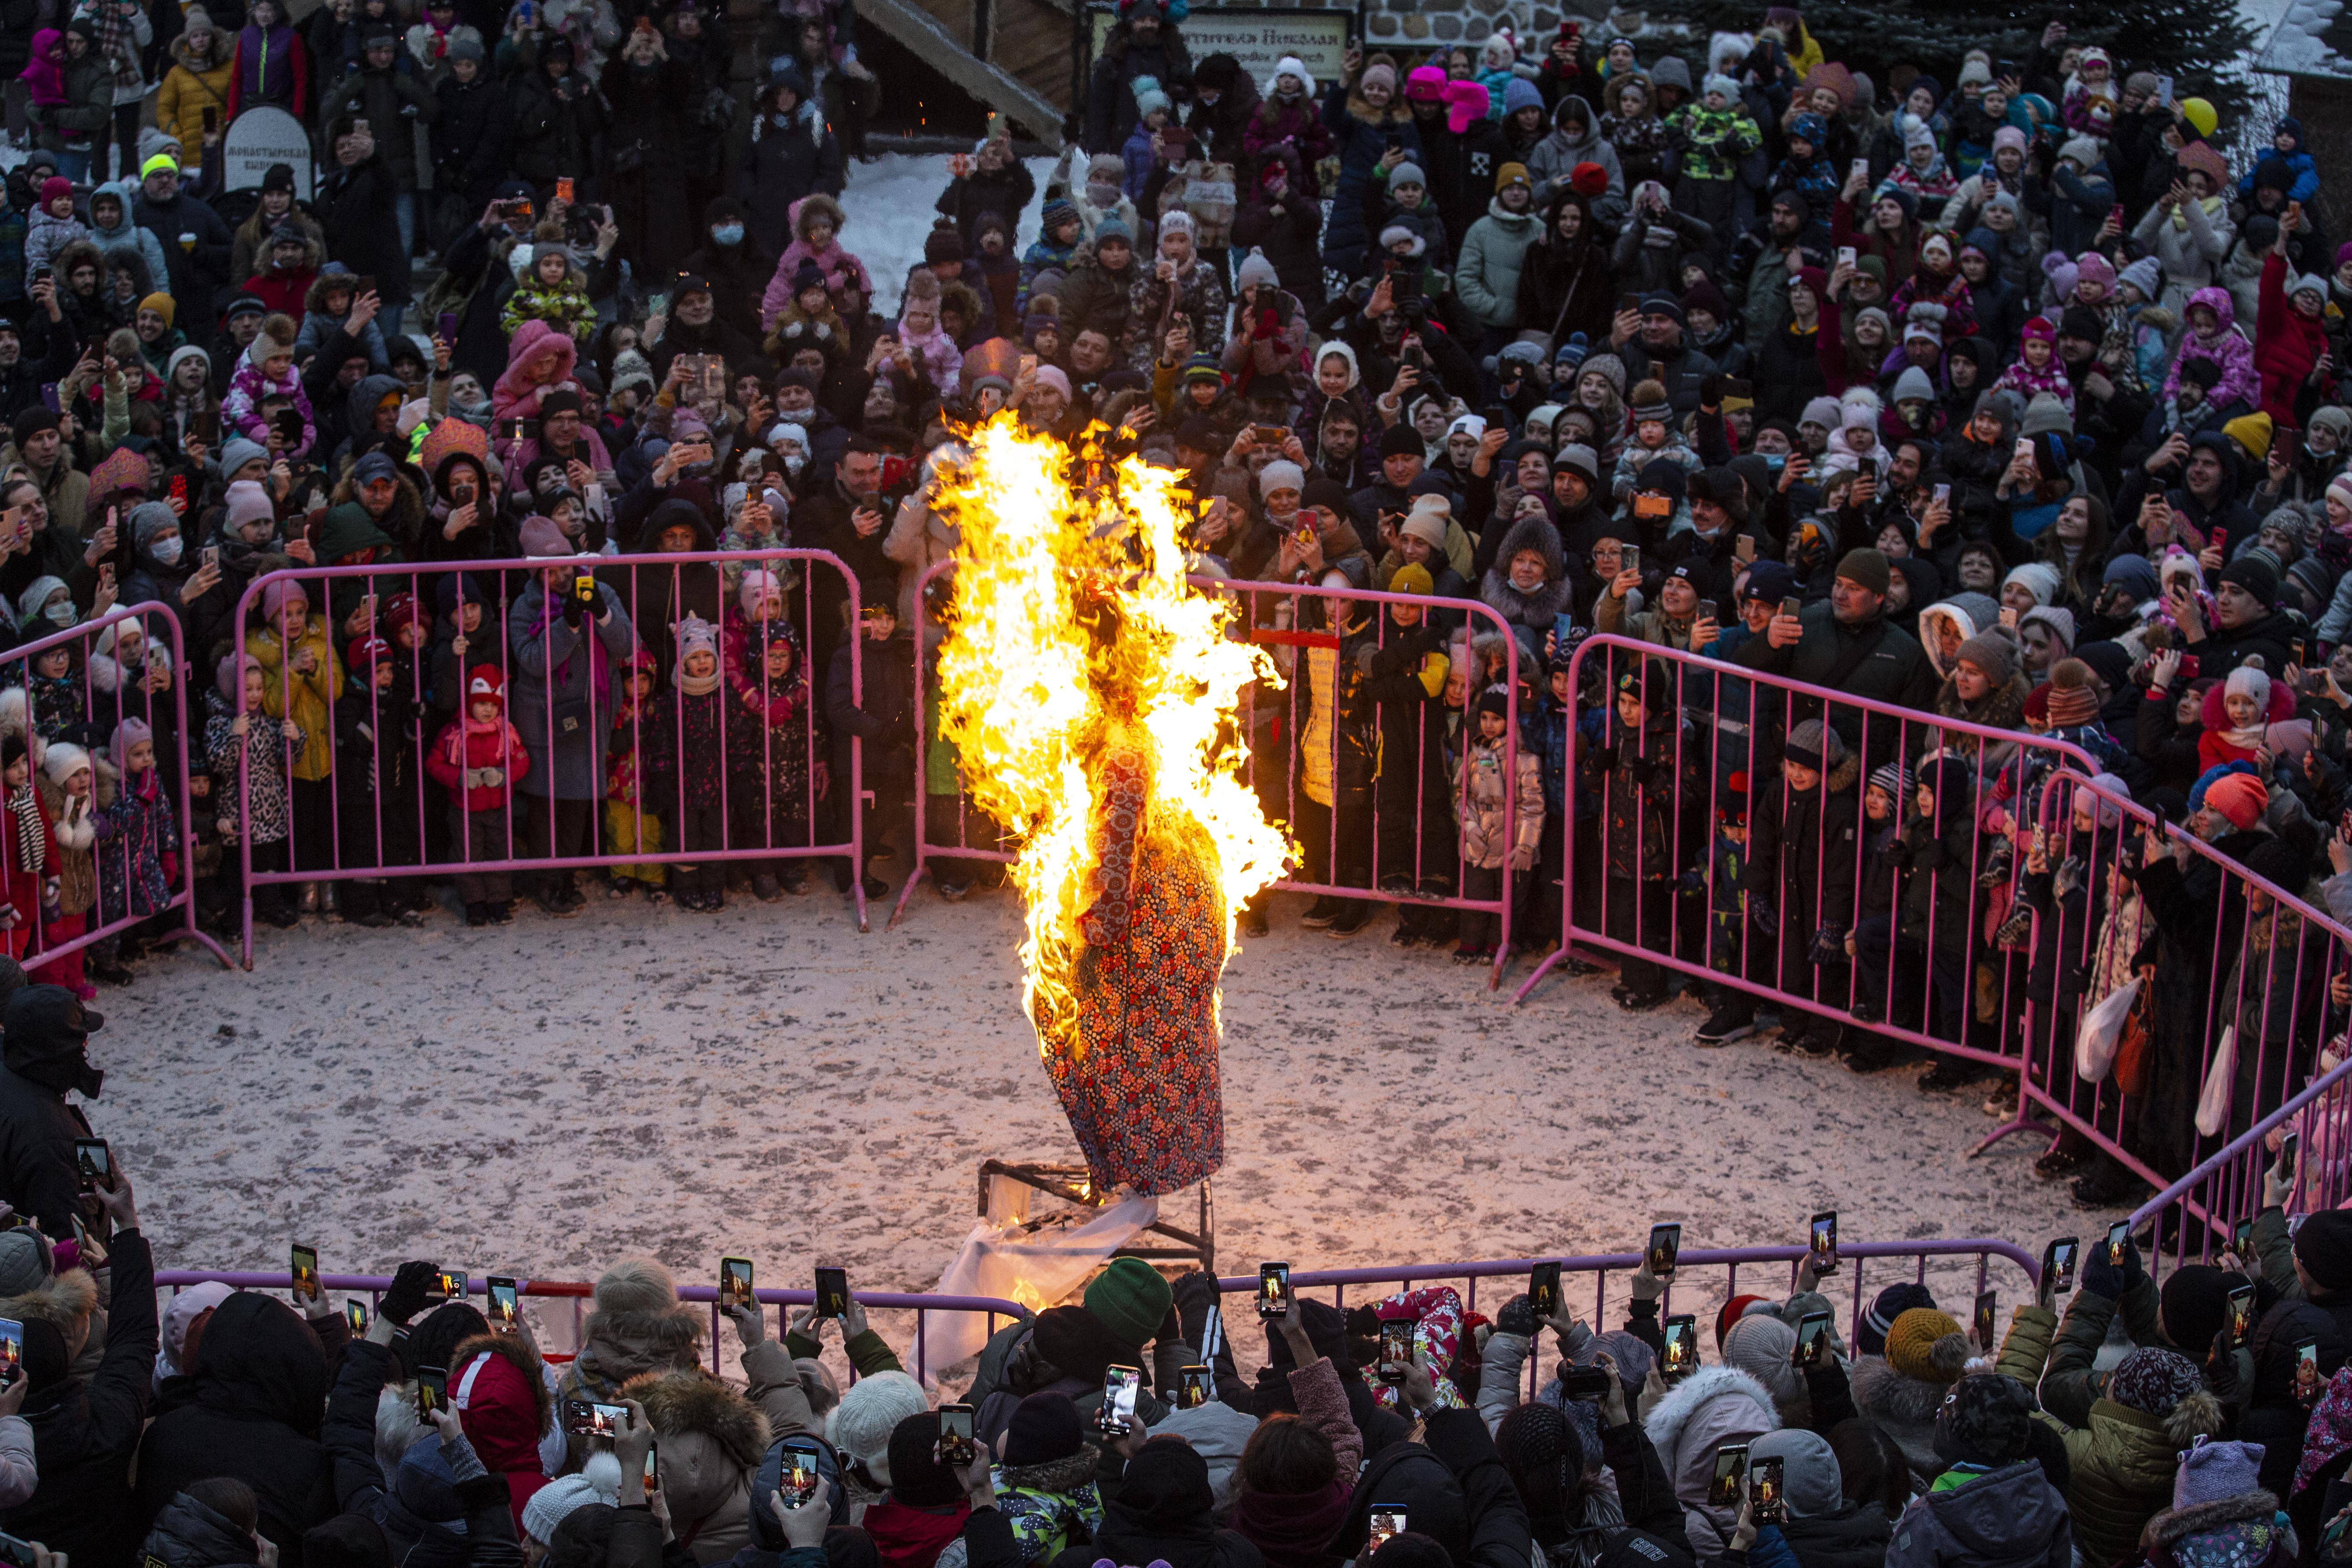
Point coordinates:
[(1605, 759), (1195, 1294), (2221, 1369), (572, 610), (2102, 1277), (1763, 912), (1691, 883), (406, 1296), (1828, 945)]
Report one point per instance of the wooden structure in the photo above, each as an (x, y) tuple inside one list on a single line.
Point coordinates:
[(1013, 56)]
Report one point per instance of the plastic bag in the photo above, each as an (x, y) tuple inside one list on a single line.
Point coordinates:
[(2221, 1079), (2102, 1031)]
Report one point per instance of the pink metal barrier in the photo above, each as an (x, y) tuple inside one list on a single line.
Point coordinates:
[(2236, 963), (600, 763), (1389, 830), (1855, 1281), (580, 1292), (139, 870), (1656, 861), (2226, 1188)]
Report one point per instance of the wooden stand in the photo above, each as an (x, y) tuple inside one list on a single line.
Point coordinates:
[(1005, 1187)]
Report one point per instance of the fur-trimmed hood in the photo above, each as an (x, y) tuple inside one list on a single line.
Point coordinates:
[(678, 1403), (66, 1300), (617, 1347), (1712, 1402), (1055, 1475), (523, 1356), (1886, 1395), (2174, 1525)]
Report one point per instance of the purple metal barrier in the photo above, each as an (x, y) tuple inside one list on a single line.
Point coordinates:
[(2232, 955), (1694, 774), (1407, 819), (1602, 1265), (377, 780), (92, 678), (581, 1290)]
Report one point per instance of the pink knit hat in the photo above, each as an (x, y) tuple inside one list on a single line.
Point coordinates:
[(273, 597), (2092, 267)]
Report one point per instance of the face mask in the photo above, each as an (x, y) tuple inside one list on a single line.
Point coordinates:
[(166, 551), (1776, 461), (728, 233), (61, 614), (794, 463)]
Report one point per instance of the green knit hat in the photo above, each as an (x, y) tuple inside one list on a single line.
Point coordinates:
[(1131, 1300)]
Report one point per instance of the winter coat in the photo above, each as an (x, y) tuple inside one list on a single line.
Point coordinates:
[(783, 164), (1486, 277), (391, 100), (1712, 1406), (88, 111), (2287, 344), (2121, 1470), (1006, 193), (1713, 141), (2010, 1518), (189, 1535), (466, 753), (2191, 250), (46, 235), (555, 123), (1497, 824), (224, 754), (561, 684), (1093, 296), (1360, 135), (87, 1429), (357, 208), (470, 138), (138, 848), (1563, 288), (1196, 297), (1287, 236), (1452, 1477), (1554, 158), (251, 1410), (306, 697), (2227, 347), (1292, 131)]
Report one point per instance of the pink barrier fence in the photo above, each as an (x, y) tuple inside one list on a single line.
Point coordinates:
[(1655, 873), (2241, 969), (580, 1293), (1354, 723), (139, 873), (388, 782)]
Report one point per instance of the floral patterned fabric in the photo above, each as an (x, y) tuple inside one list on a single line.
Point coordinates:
[(1135, 1062)]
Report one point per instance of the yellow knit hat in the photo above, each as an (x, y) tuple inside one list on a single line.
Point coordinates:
[(1911, 1345), (2252, 432)]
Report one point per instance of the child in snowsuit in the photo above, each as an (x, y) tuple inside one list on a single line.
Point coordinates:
[(138, 847), (688, 757), (478, 758), (1501, 821), (632, 825)]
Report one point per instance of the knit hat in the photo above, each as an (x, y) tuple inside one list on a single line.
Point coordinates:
[(1896, 780), (2247, 681), (2239, 798), (1579, 458), (1131, 1297), (1814, 744), (275, 596), (2152, 1379), (1760, 1344), (2212, 1472), (2072, 699), (1994, 651), (2323, 1243), (1891, 1303), (1255, 270), (1045, 1428), (63, 760), (2083, 149), (1917, 1348), (1866, 568), (541, 537), (869, 1410), (248, 501), (1987, 1420), (2039, 577), (1649, 401), (2255, 576), (1426, 521), (1401, 440), (918, 1477), (1407, 174), (2059, 619), (1281, 474), (553, 1504)]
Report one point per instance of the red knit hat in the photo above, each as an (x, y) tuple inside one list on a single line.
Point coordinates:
[(2240, 797)]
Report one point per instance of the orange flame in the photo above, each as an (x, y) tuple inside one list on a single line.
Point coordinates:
[(1024, 686)]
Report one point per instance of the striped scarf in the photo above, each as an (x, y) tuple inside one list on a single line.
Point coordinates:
[(32, 843)]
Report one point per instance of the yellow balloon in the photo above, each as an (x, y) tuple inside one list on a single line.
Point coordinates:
[(2201, 114)]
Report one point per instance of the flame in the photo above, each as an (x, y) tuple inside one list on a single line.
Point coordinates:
[(1023, 684)]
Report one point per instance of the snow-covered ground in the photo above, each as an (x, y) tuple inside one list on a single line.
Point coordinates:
[(890, 205), (543, 1098)]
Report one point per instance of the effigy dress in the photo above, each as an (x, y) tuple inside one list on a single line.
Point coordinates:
[(1135, 1062)]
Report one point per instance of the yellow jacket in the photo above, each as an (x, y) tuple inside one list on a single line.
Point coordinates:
[(190, 87), (310, 695)]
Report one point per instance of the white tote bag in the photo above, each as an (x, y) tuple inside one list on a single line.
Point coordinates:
[(2214, 1103), (2102, 1031)]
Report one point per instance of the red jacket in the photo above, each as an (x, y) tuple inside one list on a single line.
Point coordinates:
[(285, 294), (465, 747), (2287, 342)]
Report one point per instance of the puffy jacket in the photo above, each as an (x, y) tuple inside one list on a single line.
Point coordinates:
[(2122, 1467), (466, 754), (2010, 1517), (1486, 276), (188, 1534), (191, 87)]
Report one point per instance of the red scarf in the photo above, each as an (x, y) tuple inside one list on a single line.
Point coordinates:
[(913, 1537)]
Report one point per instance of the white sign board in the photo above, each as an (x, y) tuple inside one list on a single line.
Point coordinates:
[(259, 137), (1258, 38)]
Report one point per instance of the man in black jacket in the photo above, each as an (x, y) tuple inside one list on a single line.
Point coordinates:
[(1846, 643), (42, 1056), (86, 1430)]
